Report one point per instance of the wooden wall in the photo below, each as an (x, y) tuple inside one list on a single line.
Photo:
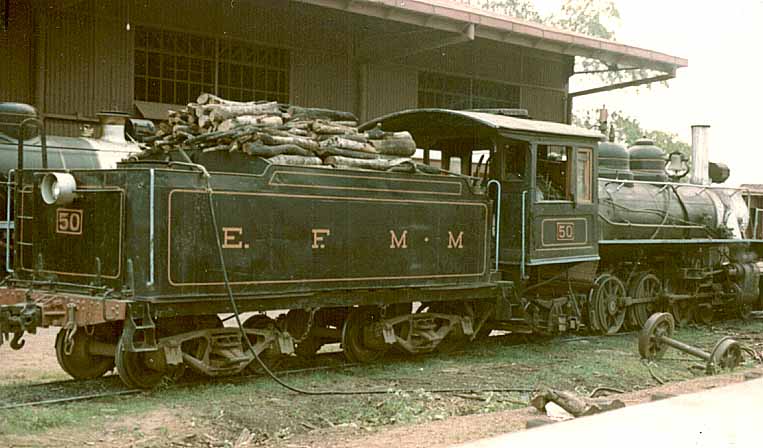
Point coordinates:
[(83, 57), (16, 80)]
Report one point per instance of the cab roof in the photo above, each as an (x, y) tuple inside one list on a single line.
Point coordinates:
[(426, 123)]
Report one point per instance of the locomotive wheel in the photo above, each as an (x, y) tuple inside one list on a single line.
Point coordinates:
[(682, 312), (744, 311), (659, 324), (727, 354), (644, 285), (593, 319), (355, 336), (135, 369), (80, 364), (609, 303), (704, 313)]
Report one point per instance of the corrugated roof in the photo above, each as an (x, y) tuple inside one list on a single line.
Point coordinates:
[(417, 119), (453, 16)]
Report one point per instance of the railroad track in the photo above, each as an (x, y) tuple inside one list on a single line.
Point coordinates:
[(69, 391)]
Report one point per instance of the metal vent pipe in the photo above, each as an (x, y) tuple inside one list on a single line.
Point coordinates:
[(700, 155)]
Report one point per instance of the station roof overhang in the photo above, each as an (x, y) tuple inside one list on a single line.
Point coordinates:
[(429, 125), (468, 23)]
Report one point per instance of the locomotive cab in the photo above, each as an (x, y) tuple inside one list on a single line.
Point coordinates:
[(546, 173)]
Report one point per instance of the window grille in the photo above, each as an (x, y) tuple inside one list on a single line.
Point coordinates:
[(174, 68), (455, 92)]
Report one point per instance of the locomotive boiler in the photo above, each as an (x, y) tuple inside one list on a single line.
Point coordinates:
[(64, 153), (653, 208)]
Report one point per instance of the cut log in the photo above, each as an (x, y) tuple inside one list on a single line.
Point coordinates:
[(570, 402), (320, 127), (247, 120), (303, 142), (300, 132), (397, 144), (375, 164), (208, 98), (285, 159), (330, 151), (222, 112), (256, 149), (308, 113), (345, 143), (349, 124)]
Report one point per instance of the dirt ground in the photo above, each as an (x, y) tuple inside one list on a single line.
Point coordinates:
[(178, 424), (462, 429), (37, 360)]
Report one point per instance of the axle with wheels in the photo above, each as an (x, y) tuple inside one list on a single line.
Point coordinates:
[(656, 337)]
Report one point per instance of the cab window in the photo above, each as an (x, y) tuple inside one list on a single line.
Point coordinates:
[(515, 155), (552, 178), (584, 175)]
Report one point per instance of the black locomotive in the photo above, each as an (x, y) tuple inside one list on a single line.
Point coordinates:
[(127, 261)]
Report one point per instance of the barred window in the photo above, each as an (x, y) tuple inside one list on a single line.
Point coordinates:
[(174, 68), (455, 92)]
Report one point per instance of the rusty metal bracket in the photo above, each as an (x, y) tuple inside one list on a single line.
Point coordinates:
[(70, 326)]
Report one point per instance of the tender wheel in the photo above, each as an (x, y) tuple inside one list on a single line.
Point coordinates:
[(80, 363), (308, 347), (727, 354), (643, 286), (608, 303), (299, 326), (140, 370), (261, 321), (455, 340), (659, 324), (360, 340)]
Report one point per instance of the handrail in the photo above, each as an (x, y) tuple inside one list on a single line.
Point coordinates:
[(8, 220), (43, 142), (497, 219), (524, 225)]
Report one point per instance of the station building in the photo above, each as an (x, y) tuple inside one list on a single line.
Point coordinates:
[(75, 58)]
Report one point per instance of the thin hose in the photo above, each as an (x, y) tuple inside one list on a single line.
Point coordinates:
[(272, 375)]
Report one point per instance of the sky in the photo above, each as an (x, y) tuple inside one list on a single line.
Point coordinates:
[(721, 87)]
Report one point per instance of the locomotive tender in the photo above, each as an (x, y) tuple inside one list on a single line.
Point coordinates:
[(126, 261)]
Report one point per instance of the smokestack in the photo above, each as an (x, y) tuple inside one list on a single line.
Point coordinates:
[(700, 155), (113, 126)]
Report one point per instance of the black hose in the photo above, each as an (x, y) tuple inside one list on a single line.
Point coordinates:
[(272, 375)]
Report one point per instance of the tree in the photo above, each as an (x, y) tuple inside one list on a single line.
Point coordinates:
[(522, 9), (628, 129), (596, 18)]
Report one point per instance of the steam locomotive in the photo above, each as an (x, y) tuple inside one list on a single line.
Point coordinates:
[(556, 231)]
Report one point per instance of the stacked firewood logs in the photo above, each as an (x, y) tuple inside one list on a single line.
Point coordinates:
[(283, 134)]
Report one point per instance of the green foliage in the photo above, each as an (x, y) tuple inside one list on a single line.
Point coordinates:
[(596, 18), (627, 130), (589, 17), (522, 9)]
